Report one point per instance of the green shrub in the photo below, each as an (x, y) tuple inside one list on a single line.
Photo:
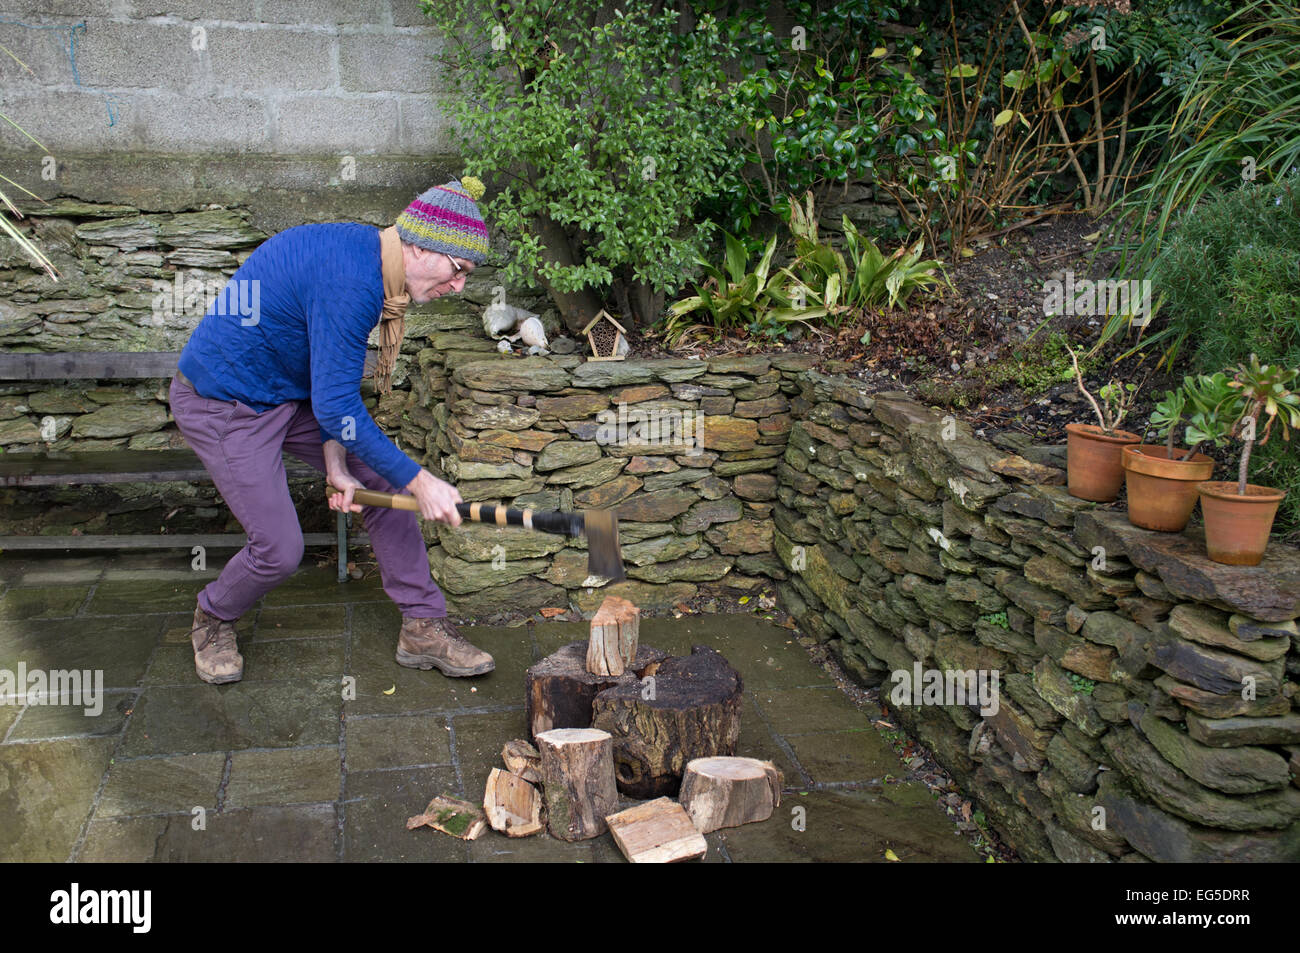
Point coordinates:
[(597, 140), (1229, 274)]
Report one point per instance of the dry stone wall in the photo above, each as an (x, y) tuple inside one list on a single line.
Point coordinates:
[(1146, 703), (686, 450)]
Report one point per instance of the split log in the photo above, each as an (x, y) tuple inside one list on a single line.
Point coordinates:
[(559, 691), (513, 806), (451, 816), (614, 631), (578, 781), (523, 759), (656, 832), (728, 792), (688, 708)]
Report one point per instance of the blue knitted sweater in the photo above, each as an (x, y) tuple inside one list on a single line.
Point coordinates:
[(292, 324)]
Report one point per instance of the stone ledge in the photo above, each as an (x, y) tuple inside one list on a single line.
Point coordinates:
[(1269, 592)]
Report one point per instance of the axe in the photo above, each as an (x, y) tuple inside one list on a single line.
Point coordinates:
[(599, 526)]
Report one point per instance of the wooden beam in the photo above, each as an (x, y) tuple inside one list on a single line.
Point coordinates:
[(177, 541), (88, 365)]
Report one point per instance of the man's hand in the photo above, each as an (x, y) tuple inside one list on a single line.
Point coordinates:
[(337, 475), (437, 498), (343, 501)]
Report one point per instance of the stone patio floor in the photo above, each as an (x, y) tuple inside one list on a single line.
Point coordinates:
[(285, 769)]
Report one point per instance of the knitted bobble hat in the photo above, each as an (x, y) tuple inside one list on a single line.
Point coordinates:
[(446, 219)]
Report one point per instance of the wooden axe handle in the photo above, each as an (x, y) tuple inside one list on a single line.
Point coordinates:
[(562, 524)]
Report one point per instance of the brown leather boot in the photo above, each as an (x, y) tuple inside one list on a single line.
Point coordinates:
[(436, 643), (216, 657)]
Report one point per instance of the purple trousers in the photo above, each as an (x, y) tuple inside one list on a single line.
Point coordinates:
[(241, 449)]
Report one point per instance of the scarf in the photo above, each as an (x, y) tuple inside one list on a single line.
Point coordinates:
[(392, 322)]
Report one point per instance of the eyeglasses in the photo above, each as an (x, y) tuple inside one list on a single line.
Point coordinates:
[(453, 263)]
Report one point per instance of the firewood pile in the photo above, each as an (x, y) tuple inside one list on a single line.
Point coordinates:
[(611, 717)]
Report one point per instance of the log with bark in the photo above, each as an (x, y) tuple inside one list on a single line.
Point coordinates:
[(688, 708), (614, 632), (728, 792), (577, 781), (559, 691), (512, 805), (523, 759), (656, 832)]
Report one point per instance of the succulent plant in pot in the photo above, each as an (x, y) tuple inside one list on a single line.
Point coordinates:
[(1093, 466), (1161, 479), (1239, 515)]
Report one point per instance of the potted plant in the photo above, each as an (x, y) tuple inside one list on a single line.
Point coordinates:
[(1162, 480), (1093, 466), (1239, 515)]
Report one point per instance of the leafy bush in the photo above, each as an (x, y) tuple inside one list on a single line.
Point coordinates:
[(600, 138), (1232, 120), (1229, 275), (866, 279)]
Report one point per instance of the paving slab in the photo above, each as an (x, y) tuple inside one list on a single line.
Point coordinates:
[(320, 586), (397, 741), (832, 757), (119, 648), (184, 719), (377, 806), (296, 834), (46, 791), (849, 826), (164, 785), (804, 710), (69, 721), (283, 776), (294, 623), (131, 597), (42, 602)]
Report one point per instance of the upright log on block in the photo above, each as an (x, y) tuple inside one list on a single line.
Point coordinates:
[(728, 792), (689, 708), (577, 781), (614, 631), (559, 691), (656, 832)]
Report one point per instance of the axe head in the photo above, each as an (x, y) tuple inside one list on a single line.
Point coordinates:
[(603, 555)]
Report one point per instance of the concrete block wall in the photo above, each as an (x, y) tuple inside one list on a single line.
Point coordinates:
[(287, 77)]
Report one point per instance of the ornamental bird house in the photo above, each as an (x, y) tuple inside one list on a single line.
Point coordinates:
[(606, 338)]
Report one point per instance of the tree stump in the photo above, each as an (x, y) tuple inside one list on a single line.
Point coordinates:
[(688, 708), (656, 832), (728, 792), (559, 691), (577, 781), (512, 805), (614, 631)]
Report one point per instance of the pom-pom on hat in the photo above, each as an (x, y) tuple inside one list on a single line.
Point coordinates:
[(446, 219)]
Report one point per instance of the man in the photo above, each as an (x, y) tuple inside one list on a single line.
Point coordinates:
[(287, 377)]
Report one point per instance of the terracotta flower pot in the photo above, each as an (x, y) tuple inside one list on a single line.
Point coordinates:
[(1162, 491), (1093, 463), (1237, 527)]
